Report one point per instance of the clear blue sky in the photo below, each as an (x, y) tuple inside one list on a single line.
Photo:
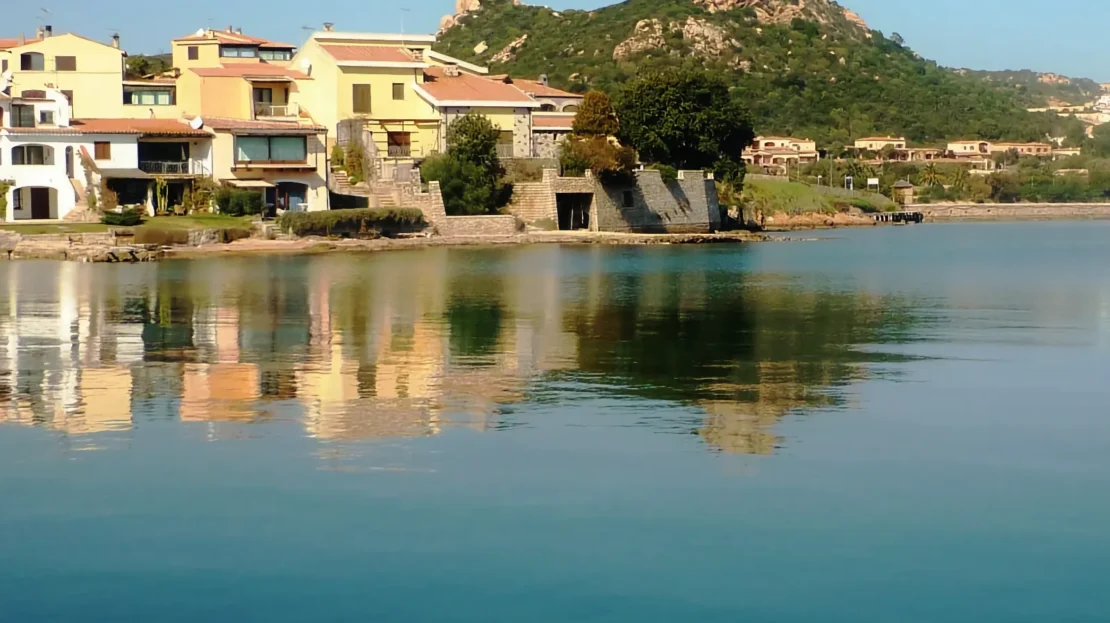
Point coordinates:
[(980, 34)]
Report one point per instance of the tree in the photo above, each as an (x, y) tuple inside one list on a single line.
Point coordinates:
[(1099, 145), (598, 154), (470, 172), (897, 39), (683, 118), (596, 117), (888, 152), (960, 178), (930, 176)]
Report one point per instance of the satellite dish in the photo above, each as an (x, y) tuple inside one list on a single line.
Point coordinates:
[(196, 123), (200, 32)]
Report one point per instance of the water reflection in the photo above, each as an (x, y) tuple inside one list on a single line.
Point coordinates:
[(407, 344)]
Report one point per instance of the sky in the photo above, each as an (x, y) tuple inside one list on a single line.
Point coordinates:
[(978, 34)]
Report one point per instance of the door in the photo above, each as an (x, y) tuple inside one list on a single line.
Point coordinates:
[(40, 203), (263, 102)]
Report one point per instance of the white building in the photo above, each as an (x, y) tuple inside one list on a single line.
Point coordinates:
[(50, 159)]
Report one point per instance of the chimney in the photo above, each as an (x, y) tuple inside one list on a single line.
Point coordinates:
[(239, 30), (115, 41), (230, 29), (38, 32), (543, 79), (328, 26), (451, 71), (47, 31)]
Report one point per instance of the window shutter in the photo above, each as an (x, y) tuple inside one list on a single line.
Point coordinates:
[(360, 96), (102, 150)]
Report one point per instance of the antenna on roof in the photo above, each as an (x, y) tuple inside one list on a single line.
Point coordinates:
[(403, 11)]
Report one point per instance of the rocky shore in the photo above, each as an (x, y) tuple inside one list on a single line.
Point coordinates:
[(1012, 211)]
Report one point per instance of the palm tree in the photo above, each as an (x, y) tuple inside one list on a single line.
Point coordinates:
[(930, 176), (959, 179)]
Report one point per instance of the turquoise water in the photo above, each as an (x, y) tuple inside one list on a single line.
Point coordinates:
[(904, 424)]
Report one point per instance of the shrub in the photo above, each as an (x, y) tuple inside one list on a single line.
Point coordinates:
[(467, 187), (337, 155), (231, 234), (123, 218), (109, 200), (238, 202), (353, 163), (359, 222), (5, 186), (606, 160), (596, 117)]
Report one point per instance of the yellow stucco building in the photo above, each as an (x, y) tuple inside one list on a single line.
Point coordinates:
[(88, 72)]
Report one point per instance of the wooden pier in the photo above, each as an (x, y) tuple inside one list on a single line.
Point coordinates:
[(901, 218)]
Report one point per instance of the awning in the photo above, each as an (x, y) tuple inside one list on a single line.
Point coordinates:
[(250, 183), (131, 174)]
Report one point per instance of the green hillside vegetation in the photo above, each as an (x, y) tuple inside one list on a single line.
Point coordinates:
[(825, 78), (795, 198), (1037, 90)]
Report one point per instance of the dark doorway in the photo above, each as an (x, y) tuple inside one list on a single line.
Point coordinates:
[(286, 196), (574, 210), (69, 162), (40, 203), (175, 193)]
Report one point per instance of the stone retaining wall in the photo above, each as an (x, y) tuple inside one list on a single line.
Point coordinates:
[(688, 205), (486, 225), (1012, 211)]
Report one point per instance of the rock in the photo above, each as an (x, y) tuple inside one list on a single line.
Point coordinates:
[(467, 6), (508, 53), (481, 48), (785, 11), (446, 23), (648, 35)]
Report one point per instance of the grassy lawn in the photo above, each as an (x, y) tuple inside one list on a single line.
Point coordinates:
[(200, 221), (796, 198), (50, 228)]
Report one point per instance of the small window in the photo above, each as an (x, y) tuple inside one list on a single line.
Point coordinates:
[(102, 150), (398, 91), (46, 117), (232, 51), (65, 63), (194, 53), (4, 65), (360, 99), (32, 61), (629, 200), (17, 199), (275, 55)]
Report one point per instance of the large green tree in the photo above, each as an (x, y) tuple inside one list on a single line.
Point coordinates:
[(470, 172), (683, 118)]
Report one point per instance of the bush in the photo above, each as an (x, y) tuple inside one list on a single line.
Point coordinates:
[(607, 161), (360, 222), (337, 155), (668, 173), (467, 187), (231, 234), (123, 218), (239, 202)]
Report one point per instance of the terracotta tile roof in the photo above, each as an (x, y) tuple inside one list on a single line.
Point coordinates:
[(228, 125), (469, 88), (371, 53), (542, 90), (231, 38), (14, 42), (145, 127), (881, 138), (249, 70), (552, 123)]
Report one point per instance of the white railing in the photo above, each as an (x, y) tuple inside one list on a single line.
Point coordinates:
[(165, 167), (268, 110)]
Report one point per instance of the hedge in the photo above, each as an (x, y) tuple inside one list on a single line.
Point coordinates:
[(238, 202), (356, 222), (171, 237), (123, 218)]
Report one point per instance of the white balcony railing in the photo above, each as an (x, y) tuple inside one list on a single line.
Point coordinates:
[(269, 110), (400, 151), (165, 167)]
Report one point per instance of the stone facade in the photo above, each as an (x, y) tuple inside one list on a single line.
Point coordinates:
[(486, 225), (688, 205), (546, 144), (522, 133)]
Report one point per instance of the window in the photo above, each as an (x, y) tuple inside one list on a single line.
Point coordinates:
[(17, 199), (32, 61), (148, 97), (547, 107), (238, 51), (264, 149), (360, 99), (399, 144), (29, 154), (65, 63), (194, 53), (629, 200), (46, 117), (4, 65), (23, 116), (102, 150), (275, 55), (398, 91)]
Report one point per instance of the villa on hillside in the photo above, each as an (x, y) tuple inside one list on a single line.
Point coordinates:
[(878, 143), (775, 153)]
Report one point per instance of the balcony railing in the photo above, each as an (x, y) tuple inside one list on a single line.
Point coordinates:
[(164, 167), (504, 150), (400, 151), (268, 110)]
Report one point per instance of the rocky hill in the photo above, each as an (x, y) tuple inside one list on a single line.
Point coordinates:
[(1042, 89), (807, 67)]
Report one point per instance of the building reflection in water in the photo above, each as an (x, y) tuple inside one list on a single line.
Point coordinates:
[(408, 344)]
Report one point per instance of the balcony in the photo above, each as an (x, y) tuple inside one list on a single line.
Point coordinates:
[(263, 110), (400, 151), (165, 167), (504, 150)]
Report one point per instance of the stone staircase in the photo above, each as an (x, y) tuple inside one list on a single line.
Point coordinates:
[(378, 194), (341, 184)]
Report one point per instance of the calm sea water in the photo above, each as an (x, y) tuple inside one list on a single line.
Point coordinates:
[(905, 424)]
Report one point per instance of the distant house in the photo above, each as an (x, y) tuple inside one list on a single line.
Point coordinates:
[(777, 152), (878, 143)]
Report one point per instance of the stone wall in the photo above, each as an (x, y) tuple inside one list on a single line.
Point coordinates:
[(1012, 211), (688, 205), (487, 225), (534, 201)]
